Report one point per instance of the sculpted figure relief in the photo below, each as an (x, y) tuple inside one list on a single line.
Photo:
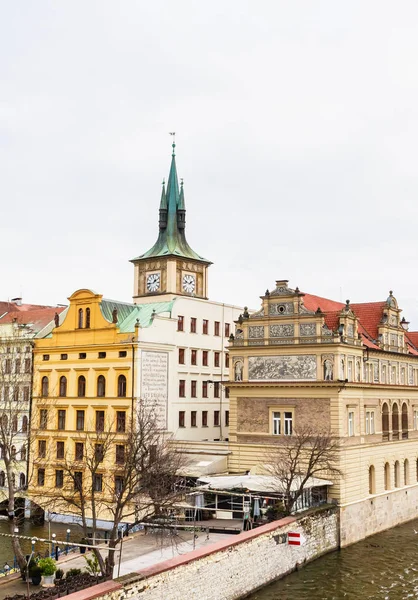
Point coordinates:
[(238, 370), (328, 370)]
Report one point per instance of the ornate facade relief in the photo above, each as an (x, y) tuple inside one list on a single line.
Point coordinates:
[(307, 329), (289, 368), (350, 330), (256, 331), (282, 330), (284, 308)]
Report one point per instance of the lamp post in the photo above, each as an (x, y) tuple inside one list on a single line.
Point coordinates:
[(68, 540), (54, 535)]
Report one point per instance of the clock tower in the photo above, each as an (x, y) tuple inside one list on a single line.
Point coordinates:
[(170, 268)]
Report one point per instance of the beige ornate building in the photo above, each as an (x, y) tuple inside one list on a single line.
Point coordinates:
[(350, 367)]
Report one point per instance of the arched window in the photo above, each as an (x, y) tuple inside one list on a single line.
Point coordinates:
[(24, 424), (121, 386), (404, 421), (2, 452), (45, 386), (406, 472), (385, 421), (4, 422), (387, 476), (2, 479), (63, 386), (101, 386), (23, 453), (87, 318), (14, 423), (395, 422), (397, 474), (81, 388), (22, 480), (372, 480), (13, 451), (80, 318)]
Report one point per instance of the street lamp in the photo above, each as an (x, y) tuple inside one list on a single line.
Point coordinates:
[(68, 540)]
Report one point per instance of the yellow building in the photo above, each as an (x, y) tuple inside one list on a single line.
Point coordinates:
[(84, 386), (352, 368)]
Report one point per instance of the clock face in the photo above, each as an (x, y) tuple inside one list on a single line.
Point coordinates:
[(153, 282), (189, 283)]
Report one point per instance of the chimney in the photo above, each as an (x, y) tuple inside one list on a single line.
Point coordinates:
[(17, 301)]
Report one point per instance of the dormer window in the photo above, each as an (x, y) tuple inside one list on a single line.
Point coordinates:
[(87, 318), (80, 318)]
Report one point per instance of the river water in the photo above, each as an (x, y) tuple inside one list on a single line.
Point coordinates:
[(383, 567), (30, 529)]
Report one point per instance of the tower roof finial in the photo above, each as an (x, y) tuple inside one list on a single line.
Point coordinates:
[(173, 133)]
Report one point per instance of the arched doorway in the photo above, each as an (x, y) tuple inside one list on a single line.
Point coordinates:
[(385, 422), (395, 422), (405, 421)]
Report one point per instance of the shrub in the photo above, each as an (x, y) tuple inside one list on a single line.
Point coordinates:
[(59, 574), (73, 573), (47, 566), (92, 565)]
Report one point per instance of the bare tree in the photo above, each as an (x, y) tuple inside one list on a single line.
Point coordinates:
[(121, 473), (307, 453)]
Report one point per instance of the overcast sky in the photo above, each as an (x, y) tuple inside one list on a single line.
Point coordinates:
[(297, 134)]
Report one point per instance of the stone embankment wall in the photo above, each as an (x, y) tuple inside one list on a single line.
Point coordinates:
[(230, 569)]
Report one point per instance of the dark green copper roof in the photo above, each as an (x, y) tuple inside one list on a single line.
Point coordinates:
[(172, 239)]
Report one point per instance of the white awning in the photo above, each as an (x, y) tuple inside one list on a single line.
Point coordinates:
[(256, 483), (204, 464)]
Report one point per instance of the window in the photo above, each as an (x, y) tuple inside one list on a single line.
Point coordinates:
[(182, 388), (181, 356), (288, 423), (102, 355), (26, 393), (120, 454), (64, 356), (24, 424), (122, 354), (79, 451), (226, 360), (16, 394), (204, 389), (193, 357), (101, 386), (82, 355), (204, 418), (80, 318), (6, 393), (119, 484), (59, 478), (205, 328), (17, 365), (61, 420), (406, 472), (41, 448), (14, 423), (78, 481), (193, 325), (227, 330), (4, 424), (41, 477), (99, 453), (216, 328), (193, 418), (216, 389), (2, 479), (216, 359), (216, 418), (372, 480), (120, 421), (23, 453), (194, 388), (98, 482), (277, 423), (60, 450), (227, 418), (43, 418), (227, 392), (121, 386), (181, 418), (8, 366), (369, 422), (87, 318), (205, 355), (180, 323), (45, 386), (63, 386), (397, 474), (80, 420), (81, 386), (350, 423), (100, 420)]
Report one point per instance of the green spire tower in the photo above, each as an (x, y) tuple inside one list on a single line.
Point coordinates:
[(171, 266)]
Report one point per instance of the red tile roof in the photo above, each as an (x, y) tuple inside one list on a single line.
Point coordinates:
[(312, 302), (34, 315)]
